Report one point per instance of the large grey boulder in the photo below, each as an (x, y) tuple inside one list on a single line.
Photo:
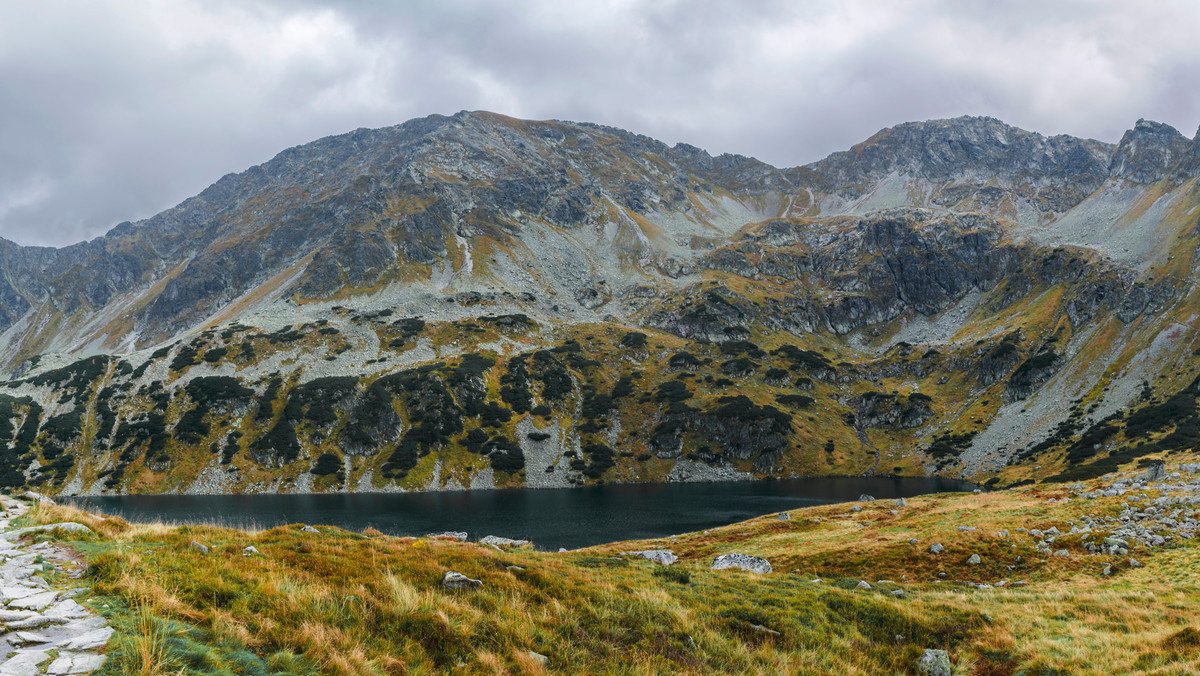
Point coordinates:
[(753, 564), (497, 541), (455, 580), (664, 556), (934, 663)]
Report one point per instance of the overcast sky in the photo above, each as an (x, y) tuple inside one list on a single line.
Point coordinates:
[(114, 110)]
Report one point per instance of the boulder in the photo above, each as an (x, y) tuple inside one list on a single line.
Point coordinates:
[(34, 496), (309, 529), (461, 536), (249, 551), (934, 663), (936, 548), (900, 502), (746, 562), (203, 549), (455, 580), (497, 541), (866, 498), (1156, 472), (863, 584), (783, 516), (974, 560), (664, 556)]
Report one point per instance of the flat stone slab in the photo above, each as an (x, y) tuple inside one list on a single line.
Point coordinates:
[(68, 609), (97, 638), (76, 663), (24, 663), (18, 592), (36, 602), (31, 637)]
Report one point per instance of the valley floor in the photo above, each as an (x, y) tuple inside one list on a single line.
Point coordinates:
[(1101, 577)]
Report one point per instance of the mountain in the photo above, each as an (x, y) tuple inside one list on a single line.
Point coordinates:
[(477, 301)]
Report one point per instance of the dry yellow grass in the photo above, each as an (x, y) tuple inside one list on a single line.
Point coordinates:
[(349, 603)]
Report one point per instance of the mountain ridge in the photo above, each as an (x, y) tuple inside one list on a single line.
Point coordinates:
[(502, 266)]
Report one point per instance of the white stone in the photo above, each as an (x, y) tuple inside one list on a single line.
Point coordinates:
[(68, 609), (76, 663), (93, 639), (35, 602), (24, 663), (31, 637)]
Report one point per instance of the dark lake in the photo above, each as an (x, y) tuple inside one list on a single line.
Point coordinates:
[(550, 517)]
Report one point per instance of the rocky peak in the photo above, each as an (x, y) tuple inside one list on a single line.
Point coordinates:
[(1148, 152), (951, 149)]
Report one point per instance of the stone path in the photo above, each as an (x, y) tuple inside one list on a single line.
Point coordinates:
[(45, 631)]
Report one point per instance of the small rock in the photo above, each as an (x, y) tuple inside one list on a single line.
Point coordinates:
[(497, 541), (309, 529), (1107, 570), (1062, 552), (783, 516), (539, 658), (898, 593), (863, 584), (455, 580), (461, 536), (913, 541), (663, 556), (936, 548), (866, 498), (974, 560), (934, 663), (763, 630), (250, 551), (203, 549), (1134, 563), (856, 508), (514, 569), (753, 564), (900, 502)]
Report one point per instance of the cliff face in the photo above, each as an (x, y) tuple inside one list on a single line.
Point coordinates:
[(446, 303)]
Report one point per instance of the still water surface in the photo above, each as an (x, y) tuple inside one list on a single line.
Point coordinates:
[(551, 518)]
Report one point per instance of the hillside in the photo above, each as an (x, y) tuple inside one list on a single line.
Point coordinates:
[(1092, 578), (478, 301)]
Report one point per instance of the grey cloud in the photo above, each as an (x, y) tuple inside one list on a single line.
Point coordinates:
[(111, 111)]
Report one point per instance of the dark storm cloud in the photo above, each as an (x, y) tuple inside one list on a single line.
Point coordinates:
[(114, 110)]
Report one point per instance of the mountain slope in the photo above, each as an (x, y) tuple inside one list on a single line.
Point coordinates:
[(476, 300)]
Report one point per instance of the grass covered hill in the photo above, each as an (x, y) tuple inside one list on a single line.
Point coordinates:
[(1098, 577)]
